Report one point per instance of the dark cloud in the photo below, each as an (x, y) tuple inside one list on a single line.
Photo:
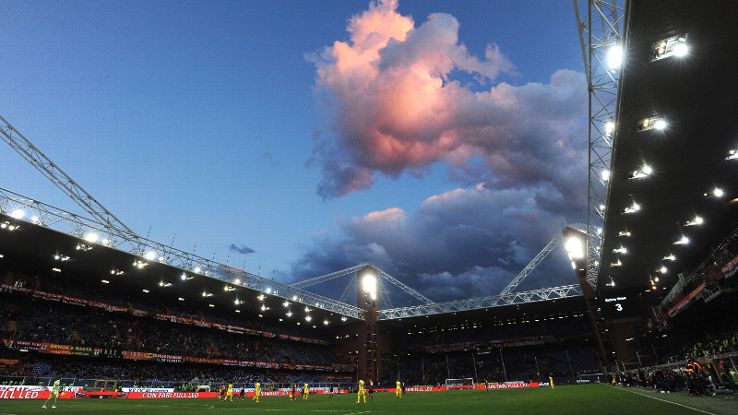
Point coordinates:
[(243, 250), (463, 243)]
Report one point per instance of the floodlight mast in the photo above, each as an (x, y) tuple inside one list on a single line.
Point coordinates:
[(600, 27)]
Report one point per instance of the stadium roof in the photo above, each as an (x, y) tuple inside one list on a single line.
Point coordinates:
[(673, 185), (49, 252)]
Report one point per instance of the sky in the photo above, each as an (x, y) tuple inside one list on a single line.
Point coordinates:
[(443, 141)]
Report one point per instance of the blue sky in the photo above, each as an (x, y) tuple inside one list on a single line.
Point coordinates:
[(197, 119)]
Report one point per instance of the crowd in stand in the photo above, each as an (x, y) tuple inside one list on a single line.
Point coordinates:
[(526, 363), (51, 285), (525, 351), (725, 341), (44, 321)]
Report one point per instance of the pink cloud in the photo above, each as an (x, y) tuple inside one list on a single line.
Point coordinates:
[(395, 107)]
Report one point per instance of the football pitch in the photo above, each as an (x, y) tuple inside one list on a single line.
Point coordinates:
[(570, 400)]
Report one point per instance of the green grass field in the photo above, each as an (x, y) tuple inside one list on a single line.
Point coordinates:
[(569, 400)]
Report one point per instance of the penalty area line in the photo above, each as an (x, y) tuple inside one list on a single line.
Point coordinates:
[(667, 401)]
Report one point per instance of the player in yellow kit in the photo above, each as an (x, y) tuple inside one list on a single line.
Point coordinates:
[(361, 393), (257, 392), (305, 391), (54, 395), (398, 389), (229, 393), (551, 382)]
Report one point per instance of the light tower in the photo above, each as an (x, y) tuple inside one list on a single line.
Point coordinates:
[(367, 297)]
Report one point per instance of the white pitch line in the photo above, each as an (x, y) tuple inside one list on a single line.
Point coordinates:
[(667, 401), (356, 413)]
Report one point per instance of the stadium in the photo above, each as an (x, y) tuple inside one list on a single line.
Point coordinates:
[(98, 318)]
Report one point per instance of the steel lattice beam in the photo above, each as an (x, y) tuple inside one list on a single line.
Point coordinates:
[(415, 294), (522, 275), (600, 26), (78, 226), (33, 155), (328, 277), (523, 297)]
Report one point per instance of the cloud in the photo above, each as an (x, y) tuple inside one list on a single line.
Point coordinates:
[(243, 250), (269, 159), (467, 242), (399, 99), (395, 107)]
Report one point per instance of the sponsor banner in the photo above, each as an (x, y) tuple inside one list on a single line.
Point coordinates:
[(35, 392), (68, 350), (149, 390), (171, 395), (684, 301), (729, 268)]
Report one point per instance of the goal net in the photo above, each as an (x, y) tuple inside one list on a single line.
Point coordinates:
[(461, 383)]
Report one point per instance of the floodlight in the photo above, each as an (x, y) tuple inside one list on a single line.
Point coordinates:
[(696, 221), (369, 283), (237, 281), (105, 281), (624, 233), (289, 314), (732, 155), (145, 291), (718, 192), (150, 255), (669, 257), (663, 269), (286, 303), (35, 219), (183, 277), (673, 46), (605, 175), (18, 214), (681, 49), (621, 250), (633, 208), (308, 318), (614, 57), (682, 241), (344, 318), (574, 247), (650, 123), (326, 322)]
